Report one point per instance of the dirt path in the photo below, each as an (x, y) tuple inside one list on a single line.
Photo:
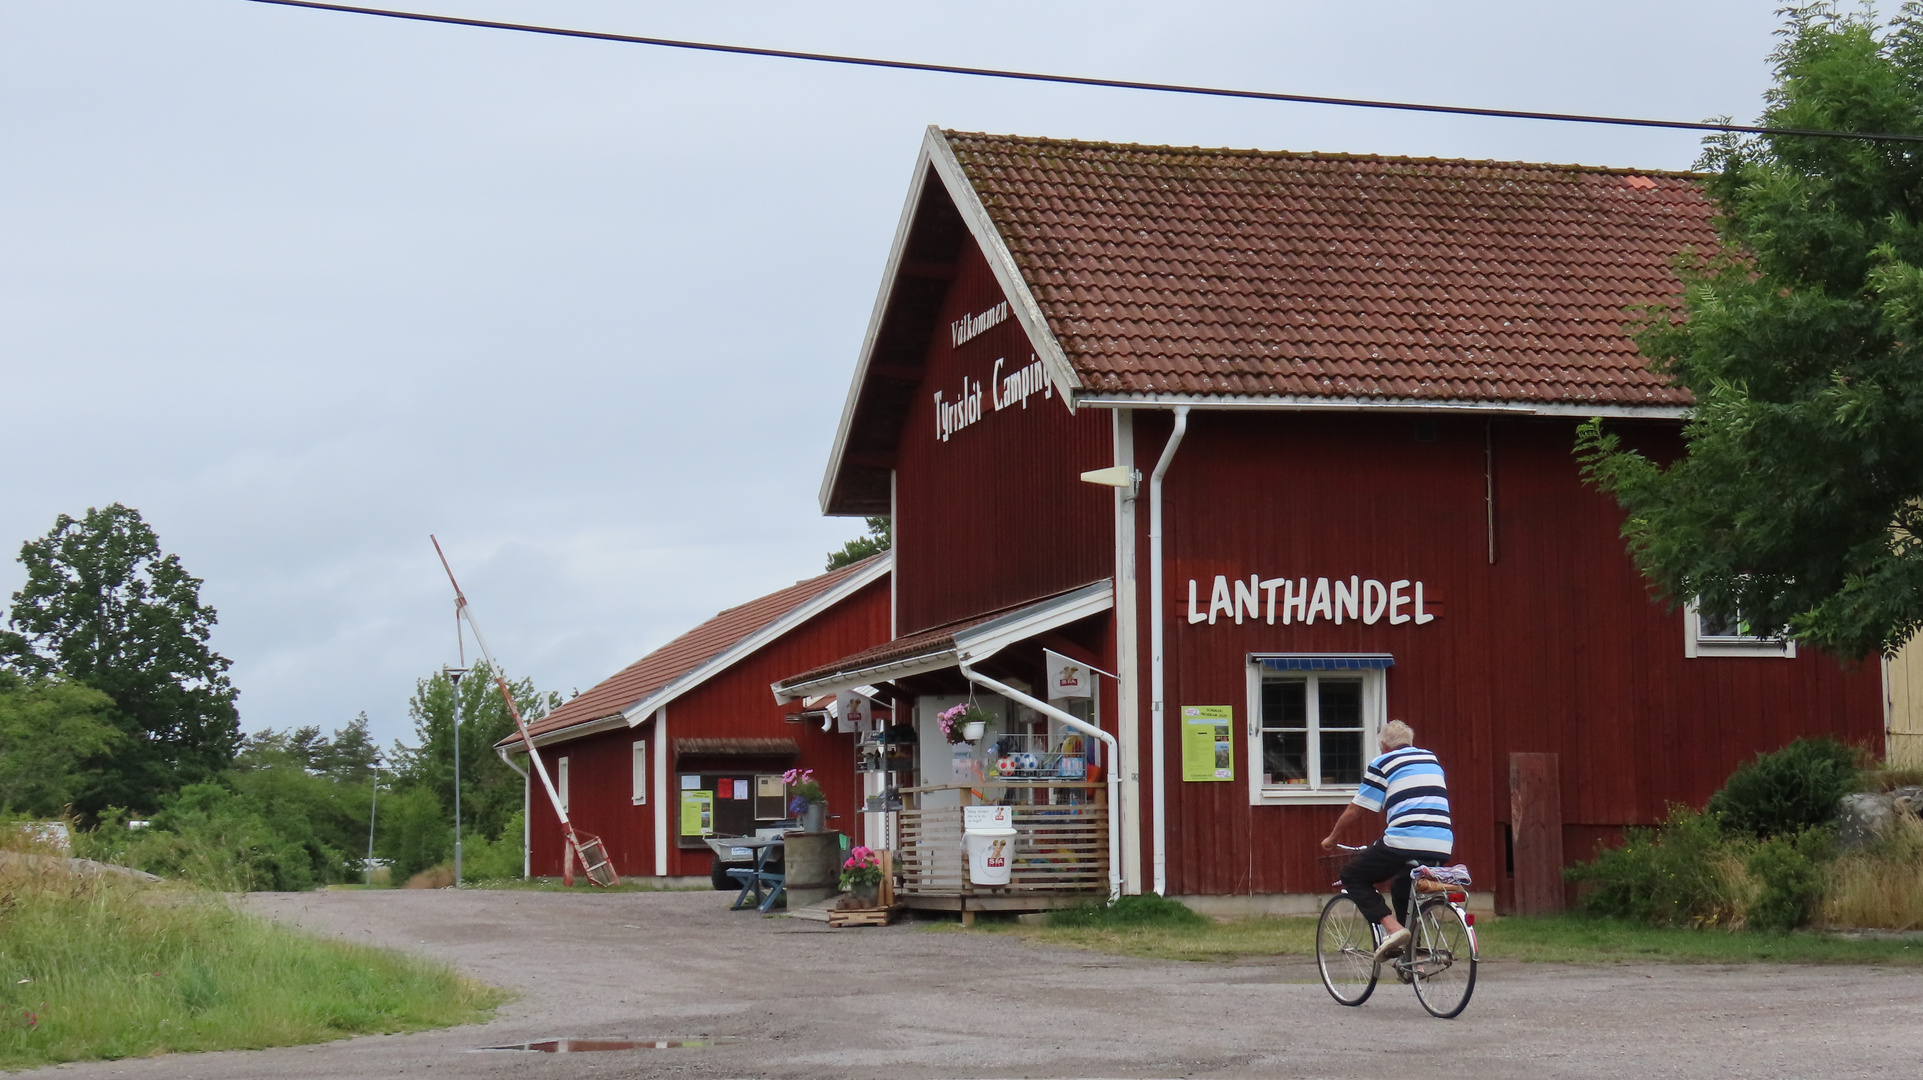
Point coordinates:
[(902, 1003)]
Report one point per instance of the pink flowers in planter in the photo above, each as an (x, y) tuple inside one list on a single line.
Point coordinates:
[(861, 869)]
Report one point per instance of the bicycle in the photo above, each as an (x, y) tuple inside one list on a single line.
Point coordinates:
[(1439, 960)]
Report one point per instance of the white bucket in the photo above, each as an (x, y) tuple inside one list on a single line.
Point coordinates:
[(990, 855)]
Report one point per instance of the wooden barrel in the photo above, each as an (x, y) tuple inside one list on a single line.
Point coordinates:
[(812, 863)]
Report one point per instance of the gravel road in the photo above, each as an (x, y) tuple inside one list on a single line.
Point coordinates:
[(801, 1000)]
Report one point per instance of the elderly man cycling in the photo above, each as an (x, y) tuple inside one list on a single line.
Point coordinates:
[(1406, 784)]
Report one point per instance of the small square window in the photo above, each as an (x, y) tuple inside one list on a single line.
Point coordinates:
[(1706, 635)]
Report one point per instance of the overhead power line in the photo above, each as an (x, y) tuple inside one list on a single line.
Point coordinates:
[(1084, 80)]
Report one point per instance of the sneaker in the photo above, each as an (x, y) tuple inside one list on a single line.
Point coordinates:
[(1391, 946)]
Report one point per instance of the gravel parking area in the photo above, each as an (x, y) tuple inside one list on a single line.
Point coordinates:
[(800, 1000)]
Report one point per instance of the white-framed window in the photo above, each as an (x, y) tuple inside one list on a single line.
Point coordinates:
[(1313, 724), (561, 781), (640, 772), (1711, 635)]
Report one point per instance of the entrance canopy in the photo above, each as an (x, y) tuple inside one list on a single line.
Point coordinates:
[(950, 646)]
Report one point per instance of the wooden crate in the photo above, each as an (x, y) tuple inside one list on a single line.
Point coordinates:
[(879, 916)]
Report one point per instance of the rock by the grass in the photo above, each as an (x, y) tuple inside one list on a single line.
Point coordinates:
[(1864, 816), (1909, 798), (86, 868)]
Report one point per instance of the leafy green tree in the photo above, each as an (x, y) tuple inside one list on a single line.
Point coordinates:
[(1799, 502), (490, 790), (876, 540), (53, 734), (350, 755), (104, 607)]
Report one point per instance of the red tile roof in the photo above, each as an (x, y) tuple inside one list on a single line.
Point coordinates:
[(684, 654), (921, 643), (1172, 271)]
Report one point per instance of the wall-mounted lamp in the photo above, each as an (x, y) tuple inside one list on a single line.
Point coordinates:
[(1115, 476)]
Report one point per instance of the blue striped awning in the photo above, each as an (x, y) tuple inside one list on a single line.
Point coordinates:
[(1327, 662)]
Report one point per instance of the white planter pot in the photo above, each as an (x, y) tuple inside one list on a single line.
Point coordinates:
[(974, 730)]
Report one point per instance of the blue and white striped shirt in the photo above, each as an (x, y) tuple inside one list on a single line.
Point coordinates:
[(1408, 782)]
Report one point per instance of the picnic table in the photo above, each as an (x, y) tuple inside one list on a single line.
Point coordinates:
[(766, 885)]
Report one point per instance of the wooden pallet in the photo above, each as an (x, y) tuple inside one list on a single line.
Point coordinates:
[(879, 916)]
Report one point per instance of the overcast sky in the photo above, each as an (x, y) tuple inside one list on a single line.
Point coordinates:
[(305, 287)]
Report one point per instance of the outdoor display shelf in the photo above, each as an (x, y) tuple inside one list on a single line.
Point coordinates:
[(1059, 857)]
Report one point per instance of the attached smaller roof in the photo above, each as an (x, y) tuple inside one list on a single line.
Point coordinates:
[(737, 747), (967, 641), (632, 694)]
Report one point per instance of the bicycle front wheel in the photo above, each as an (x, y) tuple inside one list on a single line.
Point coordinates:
[(1345, 951), (1442, 960)]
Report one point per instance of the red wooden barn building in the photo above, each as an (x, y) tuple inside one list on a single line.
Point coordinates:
[(690, 730), (1281, 446)]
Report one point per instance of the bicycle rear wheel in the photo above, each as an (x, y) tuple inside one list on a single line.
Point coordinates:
[(1345, 951), (1442, 959)]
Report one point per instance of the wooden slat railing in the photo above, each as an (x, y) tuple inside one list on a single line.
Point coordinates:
[(1057, 849)]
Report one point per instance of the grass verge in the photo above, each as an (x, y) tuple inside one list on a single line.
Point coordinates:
[(102, 968), (1566, 939)]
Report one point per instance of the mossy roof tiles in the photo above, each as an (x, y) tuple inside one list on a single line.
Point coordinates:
[(1164, 270)]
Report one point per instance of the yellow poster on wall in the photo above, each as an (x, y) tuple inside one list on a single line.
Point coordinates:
[(1208, 748), (697, 813)]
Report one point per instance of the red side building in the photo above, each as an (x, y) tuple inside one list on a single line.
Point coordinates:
[(1284, 443), (691, 724)]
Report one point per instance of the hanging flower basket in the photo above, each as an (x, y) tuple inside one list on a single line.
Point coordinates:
[(966, 722)]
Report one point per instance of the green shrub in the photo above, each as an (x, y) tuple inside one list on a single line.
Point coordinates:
[(1680, 875), (1789, 791), (1147, 909), (494, 860), (1790, 881), (415, 832), (215, 837)]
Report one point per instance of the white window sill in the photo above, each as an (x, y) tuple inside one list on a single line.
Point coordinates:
[(1285, 797), (1781, 650)]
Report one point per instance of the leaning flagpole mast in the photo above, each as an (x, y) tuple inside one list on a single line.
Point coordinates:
[(575, 846)]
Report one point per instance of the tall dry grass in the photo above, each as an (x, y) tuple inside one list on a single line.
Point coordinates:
[(1879, 886), (100, 966)]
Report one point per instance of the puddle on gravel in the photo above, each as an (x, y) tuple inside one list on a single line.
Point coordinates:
[(581, 1046)]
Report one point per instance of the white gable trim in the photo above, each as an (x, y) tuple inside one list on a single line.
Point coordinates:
[(868, 339), (938, 156), (645, 709), (1002, 261)]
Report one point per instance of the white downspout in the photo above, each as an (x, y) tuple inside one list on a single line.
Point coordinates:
[(1086, 728), (1158, 734), (527, 794), (661, 751)]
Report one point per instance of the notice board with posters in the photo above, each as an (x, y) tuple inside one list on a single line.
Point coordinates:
[(1208, 747), (726, 804)]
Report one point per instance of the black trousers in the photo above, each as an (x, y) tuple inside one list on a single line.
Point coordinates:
[(1375, 863)]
